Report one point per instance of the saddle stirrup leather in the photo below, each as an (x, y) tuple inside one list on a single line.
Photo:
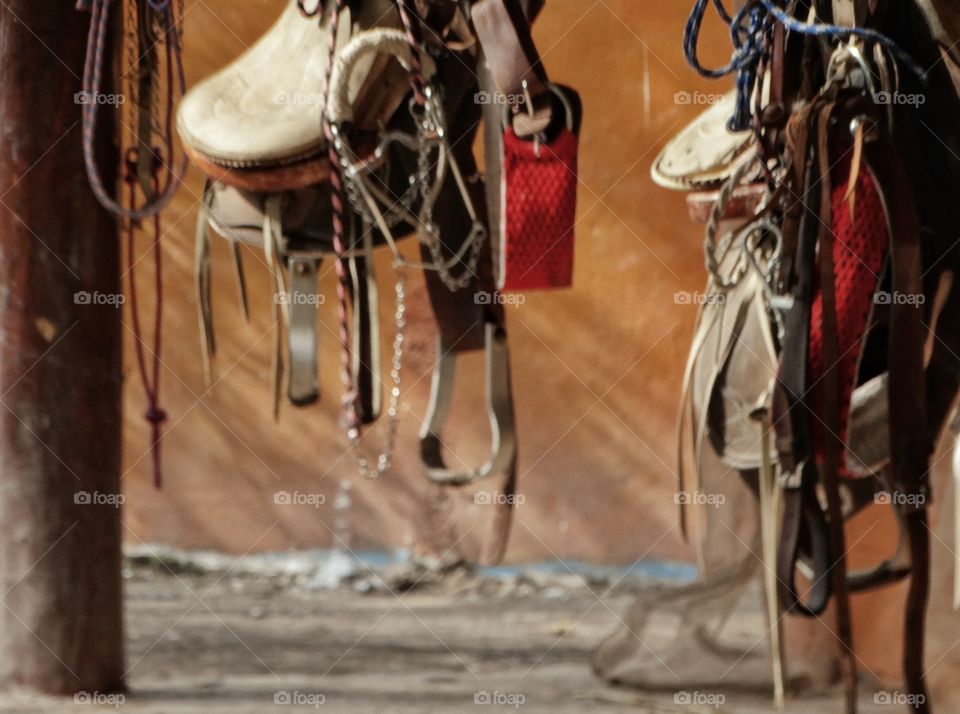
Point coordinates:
[(499, 411)]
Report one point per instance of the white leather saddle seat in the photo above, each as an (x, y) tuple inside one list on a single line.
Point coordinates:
[(705, 152), (264, 110)]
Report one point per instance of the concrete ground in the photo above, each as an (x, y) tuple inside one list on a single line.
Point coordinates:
[(218, 643)]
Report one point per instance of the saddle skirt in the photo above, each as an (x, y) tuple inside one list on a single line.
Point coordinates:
[(734, 356), (733, 362)]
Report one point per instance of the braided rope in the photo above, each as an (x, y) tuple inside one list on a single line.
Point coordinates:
[(411, 29), (715, 250), (350, 399), (149, 377), (97, 39)]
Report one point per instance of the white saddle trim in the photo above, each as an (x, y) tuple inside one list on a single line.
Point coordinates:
[(381, 40)]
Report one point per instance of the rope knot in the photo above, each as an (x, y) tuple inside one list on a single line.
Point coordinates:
[(155, 415)]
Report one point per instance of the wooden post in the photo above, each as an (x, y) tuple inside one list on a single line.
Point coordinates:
[(60, 368)]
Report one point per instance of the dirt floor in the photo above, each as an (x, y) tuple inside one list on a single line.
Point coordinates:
[(241, 640)]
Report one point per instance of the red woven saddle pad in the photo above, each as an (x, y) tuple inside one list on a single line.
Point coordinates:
[(859, 254), (539, 212)]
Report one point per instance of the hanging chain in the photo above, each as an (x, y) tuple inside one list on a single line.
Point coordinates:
[(341, 192), (431, 129), (385, 459), (349, 191)]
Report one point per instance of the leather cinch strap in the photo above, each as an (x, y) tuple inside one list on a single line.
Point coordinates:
[(302, 385)]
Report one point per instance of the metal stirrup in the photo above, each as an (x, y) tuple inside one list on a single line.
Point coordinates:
[(499, 410)]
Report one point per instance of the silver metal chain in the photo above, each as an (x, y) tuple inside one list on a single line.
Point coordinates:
[(430, 131), (431, 136), (385, 458)]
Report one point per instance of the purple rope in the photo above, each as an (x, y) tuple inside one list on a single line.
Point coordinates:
[(337, 202), (92, 83), (412, 32)]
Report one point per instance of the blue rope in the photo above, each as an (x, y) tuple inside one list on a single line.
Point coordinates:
[(748, 31), (722, 11), (823, 30)]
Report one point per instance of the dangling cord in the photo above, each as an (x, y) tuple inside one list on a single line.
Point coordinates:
[(92, 82), (151, 382), (411, 29), (351, 397)]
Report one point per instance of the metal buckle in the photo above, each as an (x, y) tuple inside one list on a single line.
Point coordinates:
[(838, 69), (791, 479)]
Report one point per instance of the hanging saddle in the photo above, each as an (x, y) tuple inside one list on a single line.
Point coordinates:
[(826, 262), (734, 357), (295, 171)]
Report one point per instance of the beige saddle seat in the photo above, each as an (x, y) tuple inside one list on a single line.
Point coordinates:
[(705, 152), (257, 123)]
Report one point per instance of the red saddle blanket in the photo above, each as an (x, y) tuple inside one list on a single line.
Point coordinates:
[(860, 247)]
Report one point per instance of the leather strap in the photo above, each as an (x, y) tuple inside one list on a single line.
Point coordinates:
[(272, 235), (769, 517), (365, 332), (203, 285), (803, 521), (302, 385), (910, 441), (511, 55), (514, 63), (830, 401)]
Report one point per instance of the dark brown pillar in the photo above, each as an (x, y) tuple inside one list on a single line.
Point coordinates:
[(60, 369)]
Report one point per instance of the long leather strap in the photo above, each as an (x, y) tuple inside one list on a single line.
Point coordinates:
[(366, 362), (830, 401), (303, 386), (203, 285), (910, 442), (510, 53), (803, 522)]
